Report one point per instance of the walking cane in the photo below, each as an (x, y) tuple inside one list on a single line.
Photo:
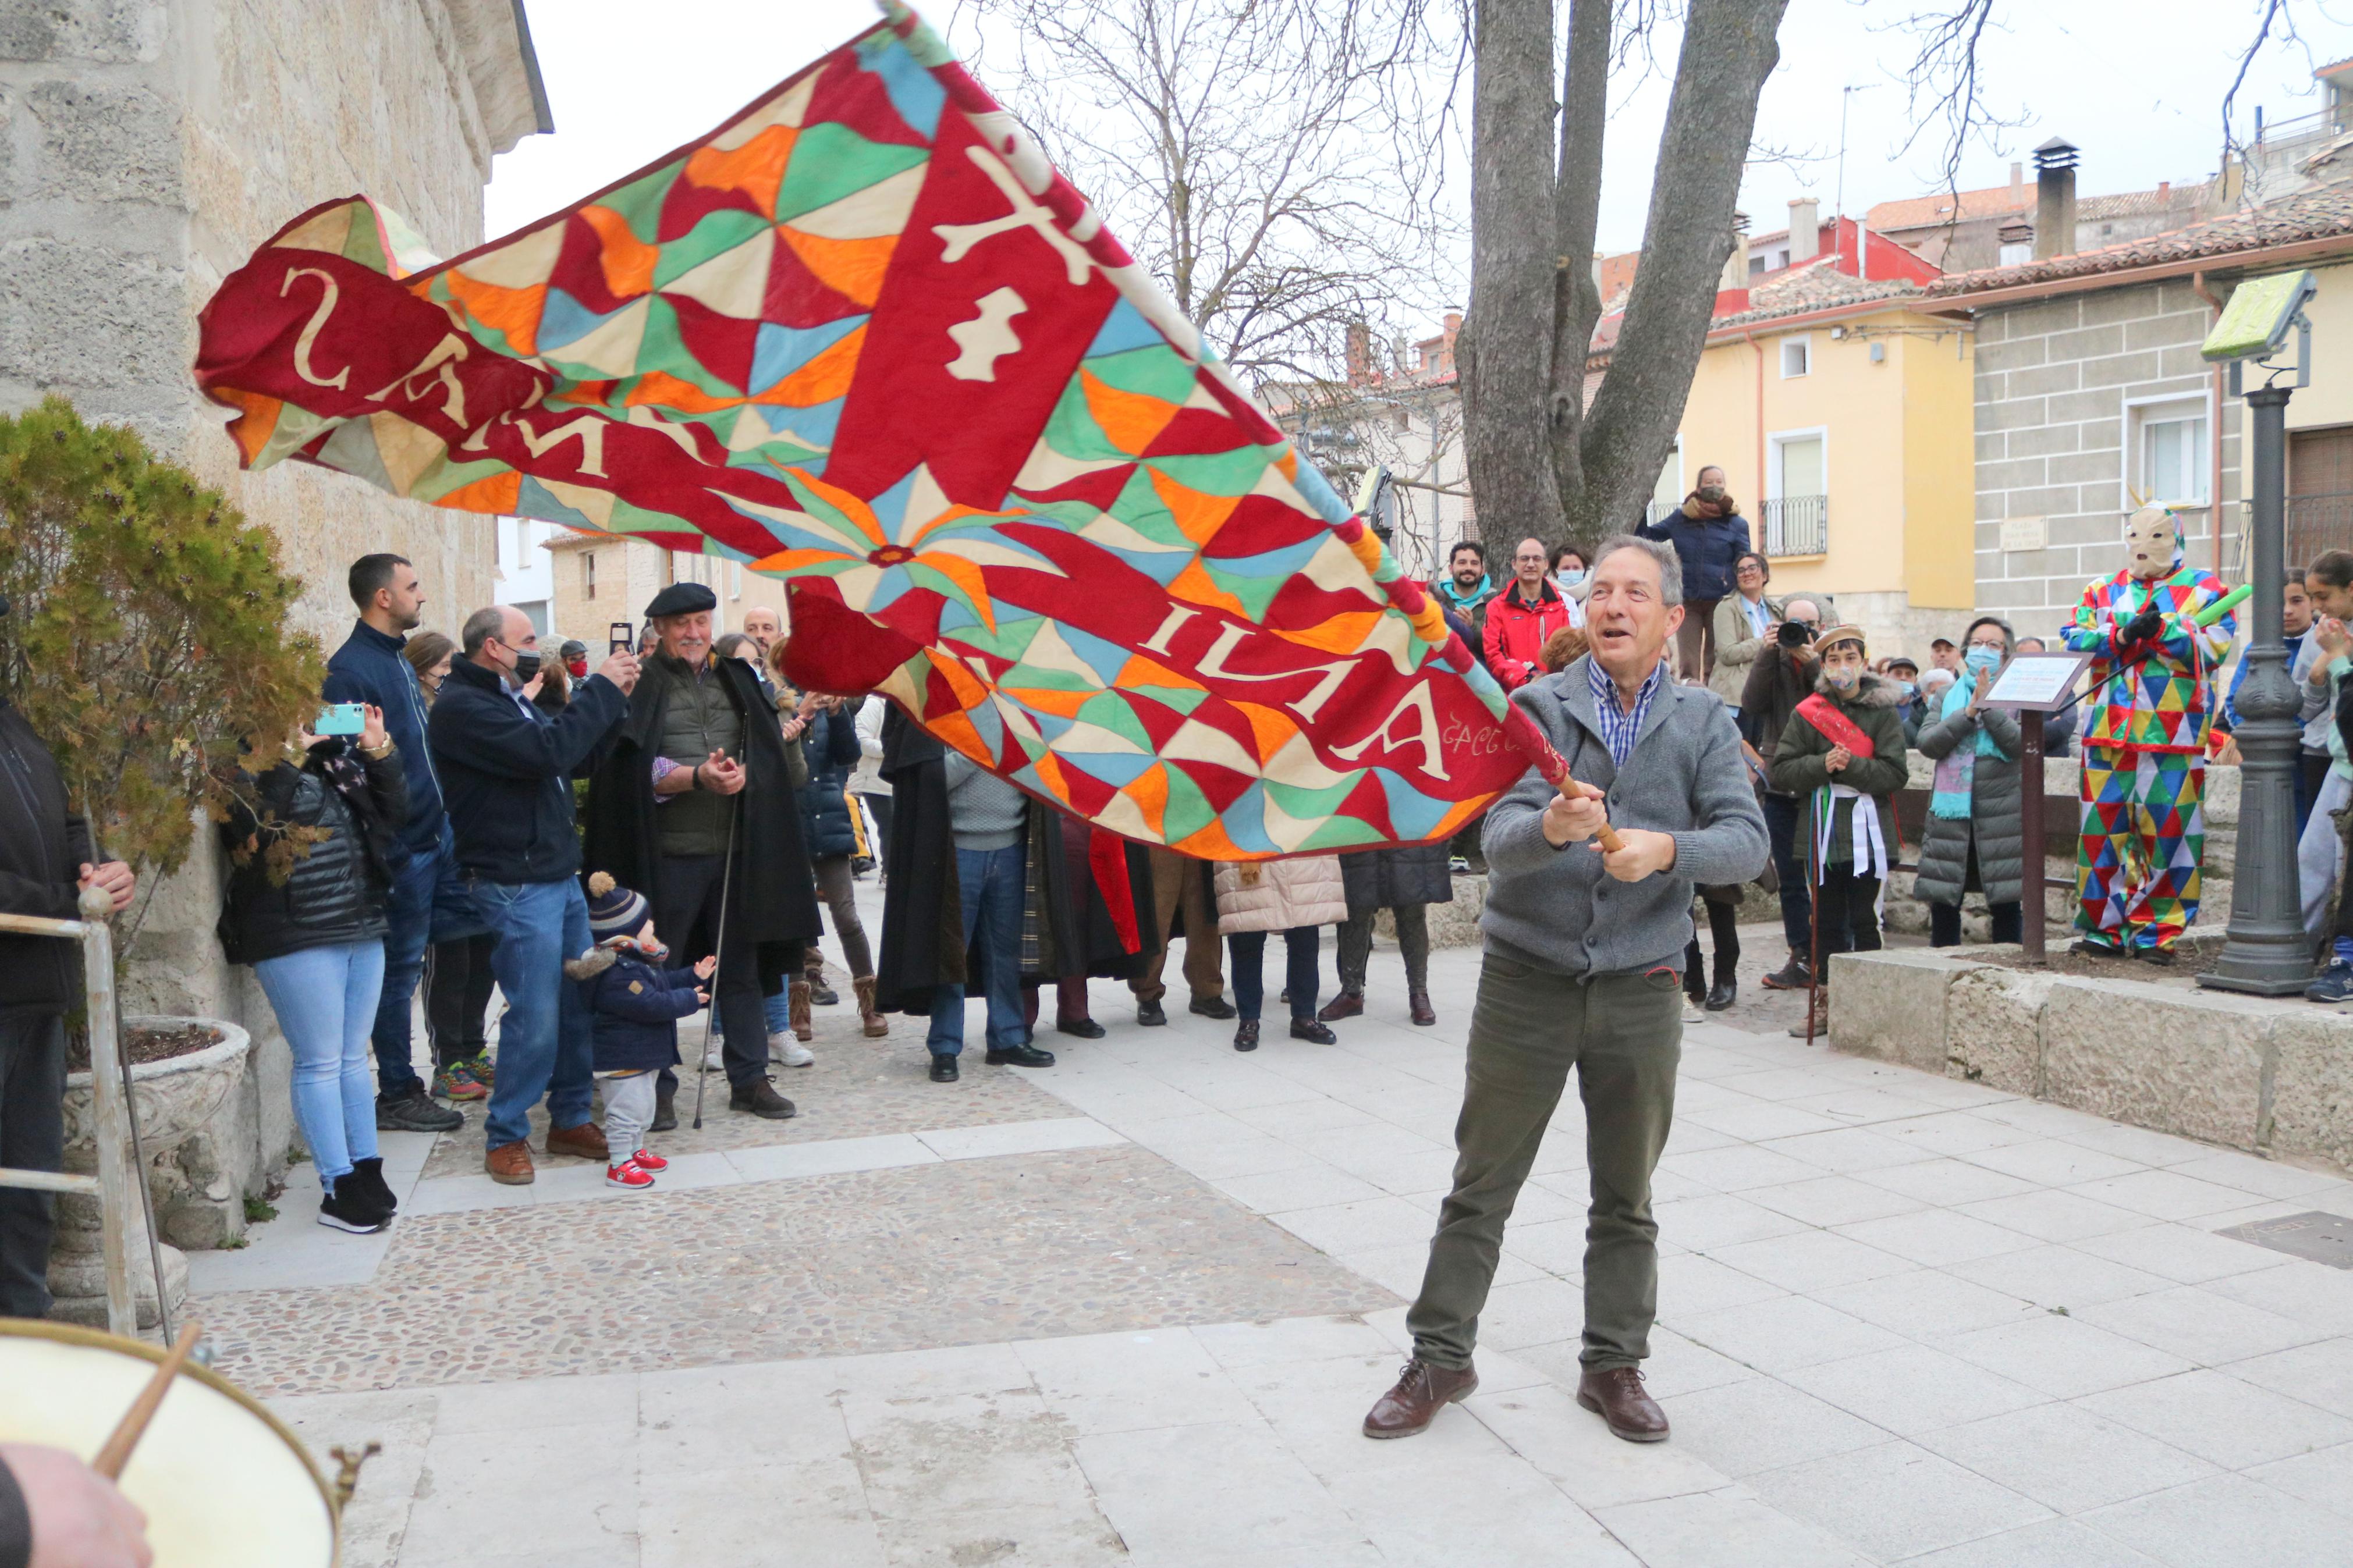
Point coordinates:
[(718, 950)]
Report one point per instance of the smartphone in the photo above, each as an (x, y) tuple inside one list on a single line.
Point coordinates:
[(618, 645), (340, 719)]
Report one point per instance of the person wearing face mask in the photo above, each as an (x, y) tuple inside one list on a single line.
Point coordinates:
[(1976, 838), (1906, 676), (1569, 572), (1781, 677), (506, 773), (1709, 536), (1842, 752)]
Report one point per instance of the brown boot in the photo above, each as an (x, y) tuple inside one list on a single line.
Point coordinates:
[(1417, 1009), (867, 1013), (1818, 1026), (509, 1164), (1616, 1395), (588, 1140), (799, 1003), (1422, 1390)]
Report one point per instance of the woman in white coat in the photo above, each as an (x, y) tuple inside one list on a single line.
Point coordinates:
[(1296, 897)]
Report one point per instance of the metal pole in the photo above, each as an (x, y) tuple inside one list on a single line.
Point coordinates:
[(2029, 810), (2266, 952), (109, 1103)]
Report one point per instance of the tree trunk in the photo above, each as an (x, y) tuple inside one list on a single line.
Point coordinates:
[(1504, 352), (1577, 202), (1728, 50)]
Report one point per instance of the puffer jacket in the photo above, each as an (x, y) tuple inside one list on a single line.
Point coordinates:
[(831, 749), (1384, 879), (43, 846), (634, 1008), (281, 901), (1279, 895), (1799, 766), (1994, 824)]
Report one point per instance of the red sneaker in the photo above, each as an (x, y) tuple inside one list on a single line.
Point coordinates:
[(646, 1160), (627, 1174)]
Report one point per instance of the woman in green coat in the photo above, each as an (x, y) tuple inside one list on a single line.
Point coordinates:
[(1975, 839), (1850, 822)]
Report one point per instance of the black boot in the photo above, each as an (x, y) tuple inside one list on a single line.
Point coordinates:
[(665, 1109), (760, 1098), (1724, 992), (367, 1185)]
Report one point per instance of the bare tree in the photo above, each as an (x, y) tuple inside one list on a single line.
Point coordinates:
[(1540, 462), (1273, 162)]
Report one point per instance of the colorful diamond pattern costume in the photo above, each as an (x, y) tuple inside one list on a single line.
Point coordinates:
[(2143, 835), (865, 339)]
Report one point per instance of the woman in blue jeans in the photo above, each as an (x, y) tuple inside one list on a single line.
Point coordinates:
[(310, 849), (1296, 897)]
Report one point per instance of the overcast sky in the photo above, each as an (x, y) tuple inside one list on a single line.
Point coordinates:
[(2137, 84)]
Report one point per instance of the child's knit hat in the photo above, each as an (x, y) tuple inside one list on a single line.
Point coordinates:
[(613, 909)]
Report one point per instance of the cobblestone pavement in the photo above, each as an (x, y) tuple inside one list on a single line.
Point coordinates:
[(1136, 1318)]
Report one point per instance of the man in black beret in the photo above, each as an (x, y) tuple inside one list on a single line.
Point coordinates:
[(697, 772)]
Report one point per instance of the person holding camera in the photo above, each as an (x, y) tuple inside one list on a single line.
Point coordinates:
[(1779, 678), (507, 770), (369, 669), (311, 851)]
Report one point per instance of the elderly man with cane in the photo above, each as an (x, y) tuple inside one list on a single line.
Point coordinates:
[(1588, 914), (692, 804)]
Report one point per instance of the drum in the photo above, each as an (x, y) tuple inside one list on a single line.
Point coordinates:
[(224, 1484)]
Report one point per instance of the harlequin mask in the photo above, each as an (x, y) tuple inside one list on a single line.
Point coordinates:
[(2152, 542)]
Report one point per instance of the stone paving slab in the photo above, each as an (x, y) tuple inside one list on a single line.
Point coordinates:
[(972, 1251)]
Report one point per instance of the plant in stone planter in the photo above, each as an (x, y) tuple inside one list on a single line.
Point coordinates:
[(147, 643)]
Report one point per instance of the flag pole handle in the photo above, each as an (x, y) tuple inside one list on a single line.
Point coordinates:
[(1521, 732)]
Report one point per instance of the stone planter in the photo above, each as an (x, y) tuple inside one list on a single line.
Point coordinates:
[(173, 1099)]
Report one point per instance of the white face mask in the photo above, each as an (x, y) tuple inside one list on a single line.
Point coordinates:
[(1842, 676)]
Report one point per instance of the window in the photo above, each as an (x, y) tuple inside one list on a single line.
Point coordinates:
[(1756, 265), (1797, 500), (2170, 451), (588, 572), (1796, 357)]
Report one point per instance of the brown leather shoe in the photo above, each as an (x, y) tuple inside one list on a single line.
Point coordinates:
[(1347, 1004), (588, 1140), (1422, 1390), (869, 1017), (510, 1164), (1616, 1395), (1417, 1009), (797, 996)]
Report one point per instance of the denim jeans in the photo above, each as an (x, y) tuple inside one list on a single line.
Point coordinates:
[(1249, 950), (1782, 815), (990, 881), (544, 1047), (429, 904), (325, 999)]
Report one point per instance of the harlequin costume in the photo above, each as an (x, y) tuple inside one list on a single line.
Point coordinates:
[(2152, 700)]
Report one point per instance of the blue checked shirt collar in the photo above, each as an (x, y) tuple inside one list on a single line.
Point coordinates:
[(1618, 727)]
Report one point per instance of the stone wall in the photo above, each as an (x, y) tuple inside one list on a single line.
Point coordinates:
[(2272, 1077), (2056, 379), (146, 147)]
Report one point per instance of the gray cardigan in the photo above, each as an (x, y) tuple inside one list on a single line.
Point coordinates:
[(1557, 909)]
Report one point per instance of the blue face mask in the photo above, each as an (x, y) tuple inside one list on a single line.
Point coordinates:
[(1569, 576), (1909, 687), (1982, 660)]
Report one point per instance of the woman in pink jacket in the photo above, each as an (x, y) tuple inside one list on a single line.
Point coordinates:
[(1296, 897)]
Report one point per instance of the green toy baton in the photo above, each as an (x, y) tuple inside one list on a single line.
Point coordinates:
[(2223, 605)]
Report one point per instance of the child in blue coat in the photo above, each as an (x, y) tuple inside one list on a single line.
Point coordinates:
[(637, 1004)]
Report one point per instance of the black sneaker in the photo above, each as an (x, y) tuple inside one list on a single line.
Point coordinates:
[(2334, 985), (1020, 1057), (2086, 948), (348, 1209), (944, 1069), (760, 1098), (1211, 1007), (1149, 1014), (414, 1111), (366, 1181), (1084, 1028), (1791, 976), (2160, 956)]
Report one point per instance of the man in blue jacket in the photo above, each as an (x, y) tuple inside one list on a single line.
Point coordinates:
[(369, 669), (506, 775)]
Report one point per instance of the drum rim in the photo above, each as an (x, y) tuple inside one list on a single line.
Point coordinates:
[(98, 1338)]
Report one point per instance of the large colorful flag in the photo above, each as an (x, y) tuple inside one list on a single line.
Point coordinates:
[(864, 338)]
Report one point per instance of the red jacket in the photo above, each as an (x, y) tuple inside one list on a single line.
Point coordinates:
[(1516, 634)]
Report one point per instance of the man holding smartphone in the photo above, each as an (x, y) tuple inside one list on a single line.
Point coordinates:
[(369, 669)]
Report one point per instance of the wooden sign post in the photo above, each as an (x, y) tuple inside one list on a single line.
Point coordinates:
[(2034, 685)]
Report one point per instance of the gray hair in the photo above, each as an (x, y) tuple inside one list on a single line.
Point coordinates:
[(1789, 605), (481, 627), (1671, 568), (2009, 638)]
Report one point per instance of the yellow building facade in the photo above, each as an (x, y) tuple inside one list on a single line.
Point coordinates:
[(1846, 435), (604, 578)]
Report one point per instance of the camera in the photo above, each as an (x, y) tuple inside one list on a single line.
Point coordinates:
[(1794, 633)]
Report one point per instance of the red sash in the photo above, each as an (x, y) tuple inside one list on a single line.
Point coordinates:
[(1836, 727), (1107, 858)]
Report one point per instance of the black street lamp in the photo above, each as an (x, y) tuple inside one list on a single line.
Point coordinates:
[(2266, 952)]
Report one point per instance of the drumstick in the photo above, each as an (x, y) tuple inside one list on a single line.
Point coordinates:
[(134, 1425)]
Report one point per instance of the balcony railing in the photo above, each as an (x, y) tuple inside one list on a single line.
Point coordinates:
[(2317, 524), (1658, 511), (1798, 525)]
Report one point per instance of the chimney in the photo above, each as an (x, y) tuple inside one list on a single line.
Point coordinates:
[(1805, 229), (1360, 352), (1454, 321), (1735, 265), (2018, 185), (2055, 199)]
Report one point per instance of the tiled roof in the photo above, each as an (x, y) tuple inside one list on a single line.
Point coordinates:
[(1934, 211), (1808, 288), (2322, 214)]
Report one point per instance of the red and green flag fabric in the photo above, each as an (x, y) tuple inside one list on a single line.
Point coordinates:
[(863, 338)]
